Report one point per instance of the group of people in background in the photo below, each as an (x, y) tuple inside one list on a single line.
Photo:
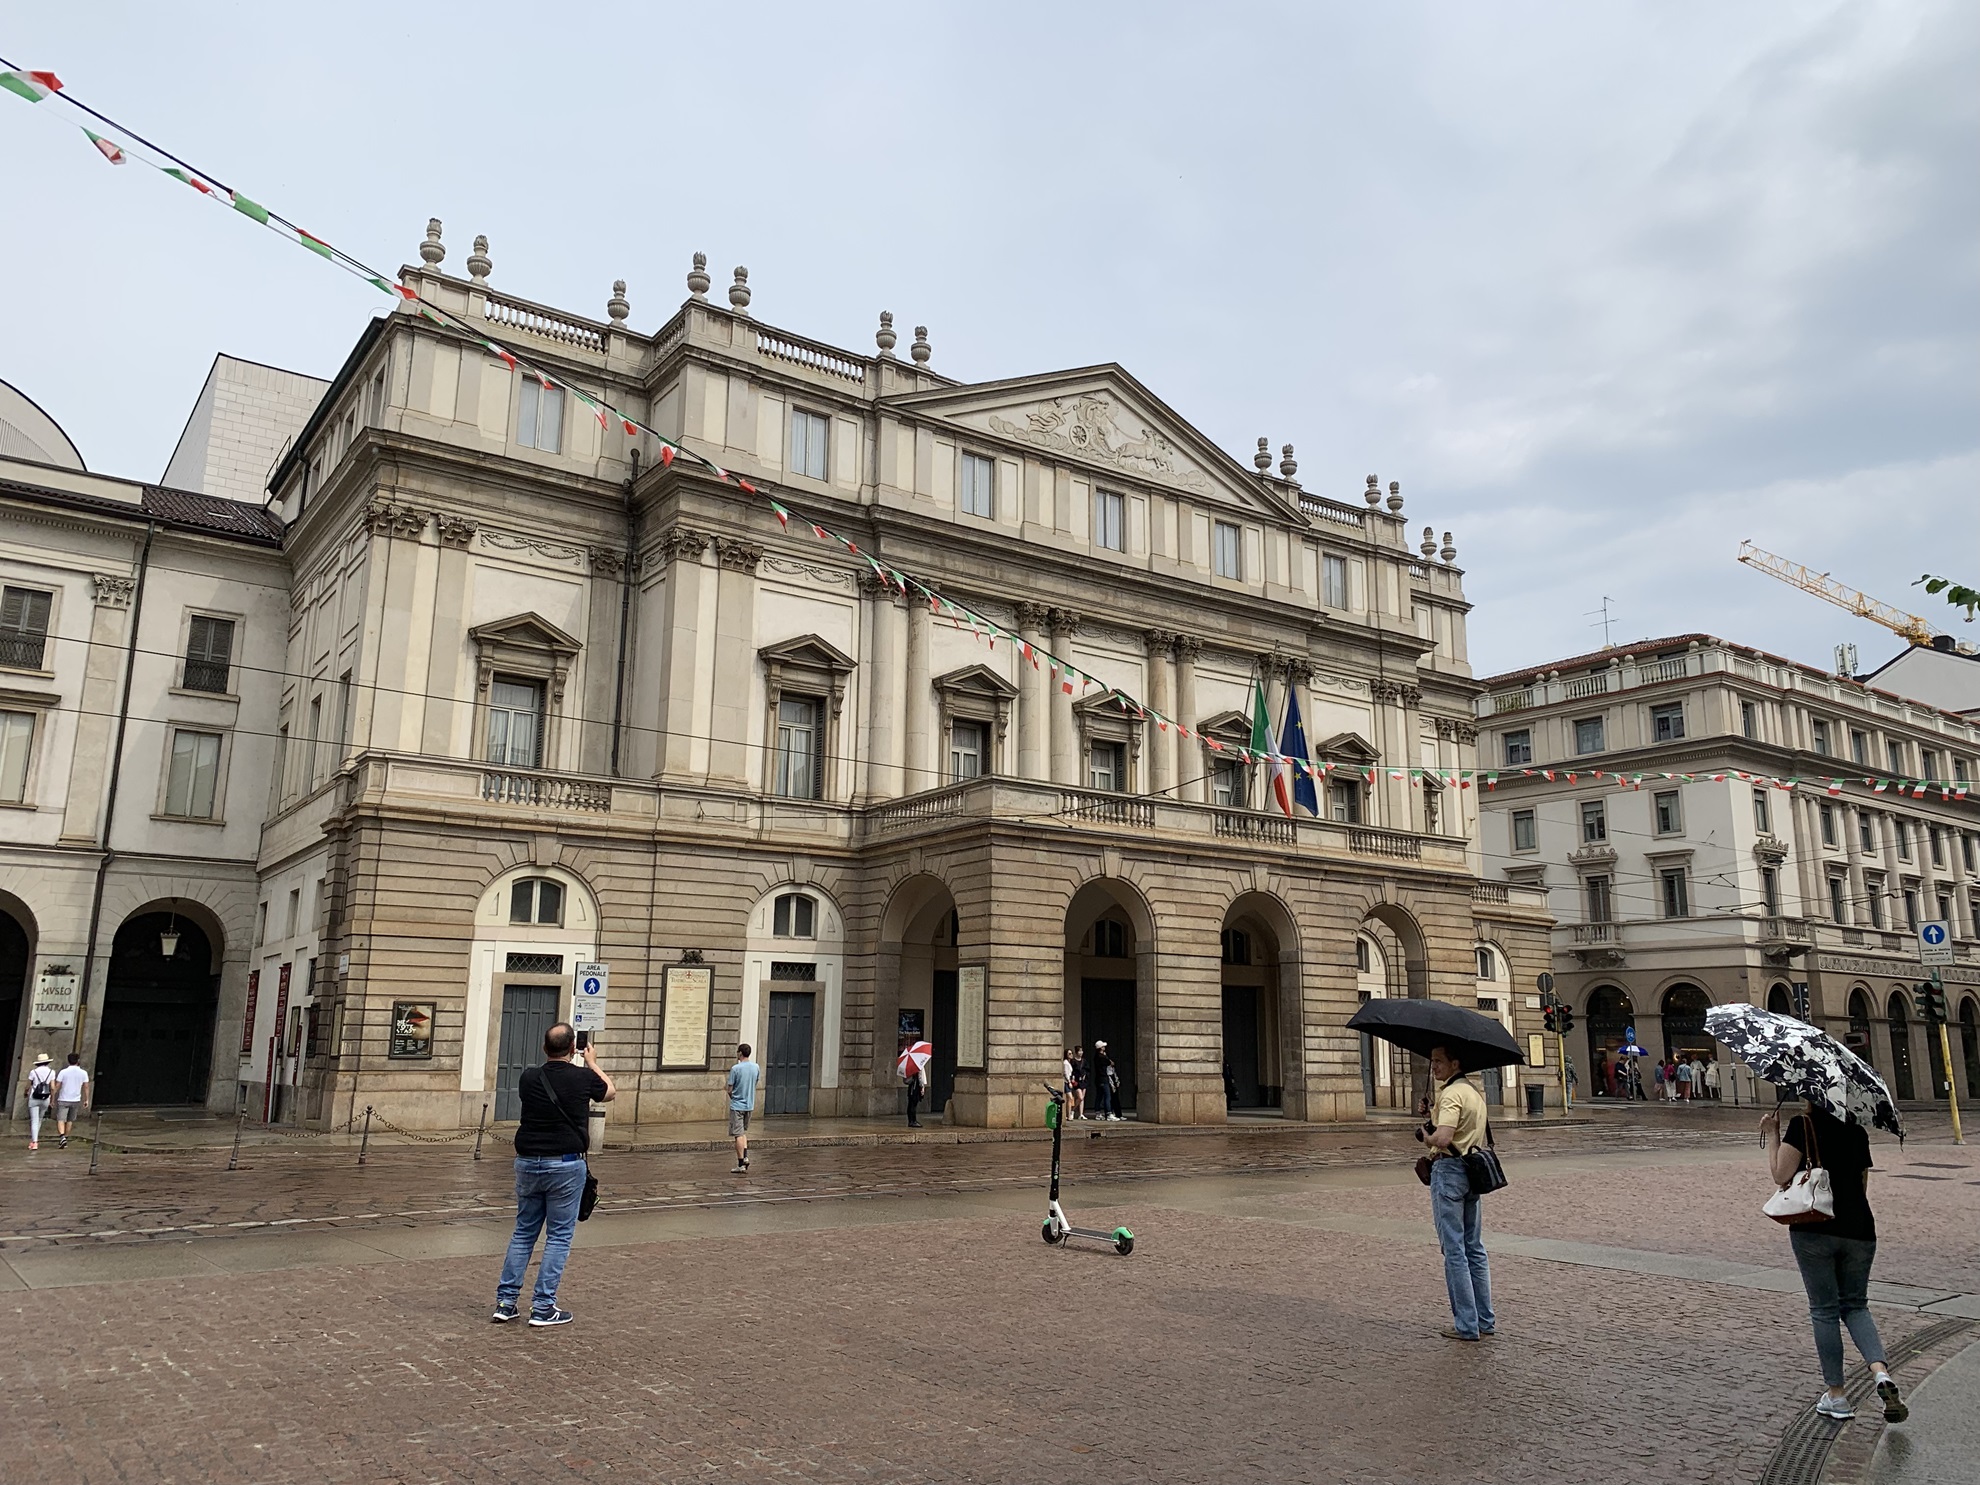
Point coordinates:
[(1676, 1079), (64, 1092), (1092, 1079)]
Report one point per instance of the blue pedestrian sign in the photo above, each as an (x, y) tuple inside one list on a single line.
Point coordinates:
[(1935, 944), (588, 997)]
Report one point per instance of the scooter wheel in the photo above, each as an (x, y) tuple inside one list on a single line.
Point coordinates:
[(1123, 1241), (1046, 1232)]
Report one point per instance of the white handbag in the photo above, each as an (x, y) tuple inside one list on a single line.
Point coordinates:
[(1808, 1197)]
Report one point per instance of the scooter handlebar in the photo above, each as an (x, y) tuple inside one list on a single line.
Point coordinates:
[(1054, 1093)]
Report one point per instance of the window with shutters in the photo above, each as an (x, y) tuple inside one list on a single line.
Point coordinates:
[(1525, 832), (24, 628), (209, 654), (1519, 746), (1676, 894), (800, 759), (515, 723), (1106, 766), (966, 750)]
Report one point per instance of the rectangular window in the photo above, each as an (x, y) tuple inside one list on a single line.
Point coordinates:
[(1227, 784), (1333, 582), (979, 486), (1838, 891), (1938, 845), (1667, 722), (811, 434), (1894, 755), (1344, 801), (24, 627), (1902, 830), (1677, 901), (515, 723), (295, 910), (1594, 822), (1525, 831), (1928, 764), (965, 751), (209, 649), (1945, 903), (1595, 897), (1873, 898), (1770, 891), (1670, 820), (1588, 735), (344, 718), (1959, 770), (1859, 746), (1866, 832), (1106, 766), (540, 417), (800, 763), (16, 747), (1827, 814), (1749, 721), (194, 774), (261, 925), (1911, 907), (1519, 747), (1227, 543), (1966, 853), (374, 406), (1761, 814), (1109, 521), (1818, 736)]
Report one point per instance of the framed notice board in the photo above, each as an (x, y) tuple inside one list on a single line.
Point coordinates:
[(972, 1005), (687, 992)]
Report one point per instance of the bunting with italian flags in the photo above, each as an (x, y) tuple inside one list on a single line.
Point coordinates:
[(33, 86)]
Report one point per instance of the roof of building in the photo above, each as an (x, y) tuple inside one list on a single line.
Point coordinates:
[(185, 509), (1607, 653), (27, 432)]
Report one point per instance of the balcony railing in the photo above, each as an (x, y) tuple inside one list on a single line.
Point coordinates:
[(207, 675), (1596, 935), (1786, 930), (1574, 688), (1107, 809), (1364, 841), (1499, 894), (546, 791), (1244, 825), (22, 649)]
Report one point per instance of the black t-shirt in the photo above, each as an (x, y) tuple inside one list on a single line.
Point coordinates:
[(544, 1131), (1842, 1149)]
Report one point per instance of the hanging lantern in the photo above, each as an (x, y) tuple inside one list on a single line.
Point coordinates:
[(168, 941)]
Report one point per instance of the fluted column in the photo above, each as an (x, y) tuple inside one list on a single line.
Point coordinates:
[(916, 722), (1065, 730), (1188, 647), (883, 686), (1161, 745), (1034, 699)]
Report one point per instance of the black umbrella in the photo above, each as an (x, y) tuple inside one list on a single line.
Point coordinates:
[(1418, 1025)]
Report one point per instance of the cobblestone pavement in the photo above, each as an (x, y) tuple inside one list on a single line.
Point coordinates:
[(727, 1332)]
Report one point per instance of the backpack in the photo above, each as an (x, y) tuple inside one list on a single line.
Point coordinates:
[(42, 1089)]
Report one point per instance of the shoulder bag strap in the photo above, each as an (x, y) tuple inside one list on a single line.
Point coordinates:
[(1812, 1156), (558, 1104)]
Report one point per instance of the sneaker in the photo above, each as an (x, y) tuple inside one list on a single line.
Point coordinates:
[(551, 1317), (742, 1168), (1837, 1408), (1450, 1333), (34, 1144), (65, 1142), (504, 1313), (1113, 1118), (1894, 1409)]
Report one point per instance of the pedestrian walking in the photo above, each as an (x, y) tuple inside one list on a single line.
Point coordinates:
[(1079, 1082), (551, 1141), (743, 1077), (1835, 1256), (1697, 1076), (1712, 1080), (1663, 1090), (1605, 1074), (1454, 1131), (71, 1097), (40, 1091), (1684, 1082), (1106, 1080), (917, 1089)]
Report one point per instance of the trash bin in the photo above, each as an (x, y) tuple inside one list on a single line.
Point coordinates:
[(1536, 1098)]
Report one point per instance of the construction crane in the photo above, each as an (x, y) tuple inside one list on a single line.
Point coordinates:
[(1822, 585)]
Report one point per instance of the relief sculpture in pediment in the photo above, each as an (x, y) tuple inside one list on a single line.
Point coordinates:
[(1092, 427)]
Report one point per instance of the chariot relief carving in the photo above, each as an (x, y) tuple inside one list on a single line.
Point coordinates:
[(1093, 427)]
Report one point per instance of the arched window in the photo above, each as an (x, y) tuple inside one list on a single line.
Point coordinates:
[(536, 900), (1969, 1039), (794, 915), (1779, 1001), (1858, 1035), (1684, 1024), (1899, 1019), (1361, 956), (1488, 963)]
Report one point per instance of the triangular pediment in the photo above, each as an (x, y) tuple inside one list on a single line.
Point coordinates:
[(1227, 725), (808, 650), (1349, 746), (527, 632), (977, 680), (1101, 417)]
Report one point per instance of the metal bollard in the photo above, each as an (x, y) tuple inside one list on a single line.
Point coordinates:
[(479, 1130), (234, 1156), (364, 1144), (95, 1140)]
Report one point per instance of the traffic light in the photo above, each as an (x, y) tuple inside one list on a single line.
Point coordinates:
[(1547, 1015), (1800, 992), (1931, 1003), (1565, 1017)]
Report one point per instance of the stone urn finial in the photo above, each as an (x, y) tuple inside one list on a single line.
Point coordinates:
[(698, 277), (1373, 494), (1429, 544), (921, 350), (1288, 466), (616, 306), (1263, 458), (433, 250), (1449, 552), (479, 263), (885, 337), (1395, 496), (739, 292)]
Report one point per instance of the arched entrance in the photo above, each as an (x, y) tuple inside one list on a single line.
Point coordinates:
[(1900, 1024), (1380, 1087), (1609, 1019), (1969, 1042), (16, 952), (1108, 941), (915, 993), (1685, 1037), (156, 1041), (1259, 1045), (1858, 1036), (1778, 999), (1397, 952)]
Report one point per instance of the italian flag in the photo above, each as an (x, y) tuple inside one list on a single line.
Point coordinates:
[(783, 516), (33, 86), (111, 152)]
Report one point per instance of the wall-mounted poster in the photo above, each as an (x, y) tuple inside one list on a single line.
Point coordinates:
[(912, 1025), (56, 991), (686, 995), (972, 998), (412, 1028)]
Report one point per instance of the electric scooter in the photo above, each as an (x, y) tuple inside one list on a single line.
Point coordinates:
[(1056, 1229)]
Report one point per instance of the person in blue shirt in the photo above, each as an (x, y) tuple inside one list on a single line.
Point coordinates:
[(742, 1099)]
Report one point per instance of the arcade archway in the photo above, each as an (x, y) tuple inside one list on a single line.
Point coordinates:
[(1685, 1036), (1110, 949), (915, 992), (1610, 1019), (1260, 998), (155, 1045)]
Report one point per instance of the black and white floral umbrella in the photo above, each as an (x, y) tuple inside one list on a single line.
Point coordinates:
[(1805, 1062)]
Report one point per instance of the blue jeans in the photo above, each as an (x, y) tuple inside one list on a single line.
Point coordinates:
[(1458, 1233), (547, 1191), (1836, 1273)]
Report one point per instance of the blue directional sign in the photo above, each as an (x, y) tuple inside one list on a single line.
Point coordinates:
[(1935, 945), (588, 997)]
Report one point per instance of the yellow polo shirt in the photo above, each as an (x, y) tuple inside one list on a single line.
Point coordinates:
[(1461, 1106)]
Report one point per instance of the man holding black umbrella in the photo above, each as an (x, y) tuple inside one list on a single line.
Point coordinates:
[(1456, 1127)]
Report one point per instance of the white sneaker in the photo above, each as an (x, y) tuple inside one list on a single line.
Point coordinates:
[(1113, 1118), (1837, 1408)]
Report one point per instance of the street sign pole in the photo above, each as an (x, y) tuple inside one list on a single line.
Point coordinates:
[(1945, 1061), (1935, 948), (1560, 1051)]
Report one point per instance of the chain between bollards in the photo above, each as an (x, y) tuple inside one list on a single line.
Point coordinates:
[(364, 1145), (95, 1140), (479, 1130), (234, 1155)]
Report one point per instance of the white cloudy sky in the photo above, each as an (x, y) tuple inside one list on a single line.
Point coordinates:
[(1608, 287)]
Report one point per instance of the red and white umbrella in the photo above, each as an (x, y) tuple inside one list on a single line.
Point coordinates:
[(915, 1058)]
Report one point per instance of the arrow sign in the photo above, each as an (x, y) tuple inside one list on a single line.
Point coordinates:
[(1935, 944), (588, 997)]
